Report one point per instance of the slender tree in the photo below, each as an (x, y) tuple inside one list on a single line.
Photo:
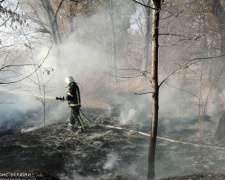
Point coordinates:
[(147, 36), (155, 88), (111, 12), (219, 15)]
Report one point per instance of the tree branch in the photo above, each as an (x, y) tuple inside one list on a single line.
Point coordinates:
[(170, 75), (179, 35), (142, 72), (124, 77), (16, 65), (11, 82), (143, 93), (38, 20), (143, 4), (56, 13), (9, 16), (186, 65), (183, 90)]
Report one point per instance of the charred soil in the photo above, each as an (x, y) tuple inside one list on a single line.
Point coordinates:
[(53, 150), (104, 153)]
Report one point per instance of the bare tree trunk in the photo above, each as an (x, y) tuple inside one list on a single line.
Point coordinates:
[(114, 40), (52, 18), (220, 133), (219, 14), (155, 88), (147, 38), (71, 17), (52, 21), (201, 104), (44, 103), (47, 6), (106, 53)]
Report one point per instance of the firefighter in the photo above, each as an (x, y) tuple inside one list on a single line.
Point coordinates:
[(73, 98)]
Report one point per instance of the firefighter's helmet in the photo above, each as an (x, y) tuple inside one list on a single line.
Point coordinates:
[(69, 80)]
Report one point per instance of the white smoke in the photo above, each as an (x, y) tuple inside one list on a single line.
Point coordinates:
[(127, 117), (111, 162), (28, 129)]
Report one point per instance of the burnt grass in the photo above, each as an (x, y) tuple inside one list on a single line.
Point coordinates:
[(104, 153), (61, 154)]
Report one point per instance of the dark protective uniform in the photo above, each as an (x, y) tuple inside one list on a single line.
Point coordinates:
[(73, 98)]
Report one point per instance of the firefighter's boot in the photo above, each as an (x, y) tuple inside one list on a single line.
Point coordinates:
[(80, 130), (71, 127)]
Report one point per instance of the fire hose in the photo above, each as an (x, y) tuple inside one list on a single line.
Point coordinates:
[(146, 134)]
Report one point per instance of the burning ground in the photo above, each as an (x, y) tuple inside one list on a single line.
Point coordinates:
[(105, 153)]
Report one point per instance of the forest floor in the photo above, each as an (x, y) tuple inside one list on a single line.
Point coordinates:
[(105, 153)]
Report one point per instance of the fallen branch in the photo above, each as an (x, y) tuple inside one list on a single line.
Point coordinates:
[(148, 135), (162, 138)]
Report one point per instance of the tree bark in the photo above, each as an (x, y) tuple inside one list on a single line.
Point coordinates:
[(147, 37), (155, 88)]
